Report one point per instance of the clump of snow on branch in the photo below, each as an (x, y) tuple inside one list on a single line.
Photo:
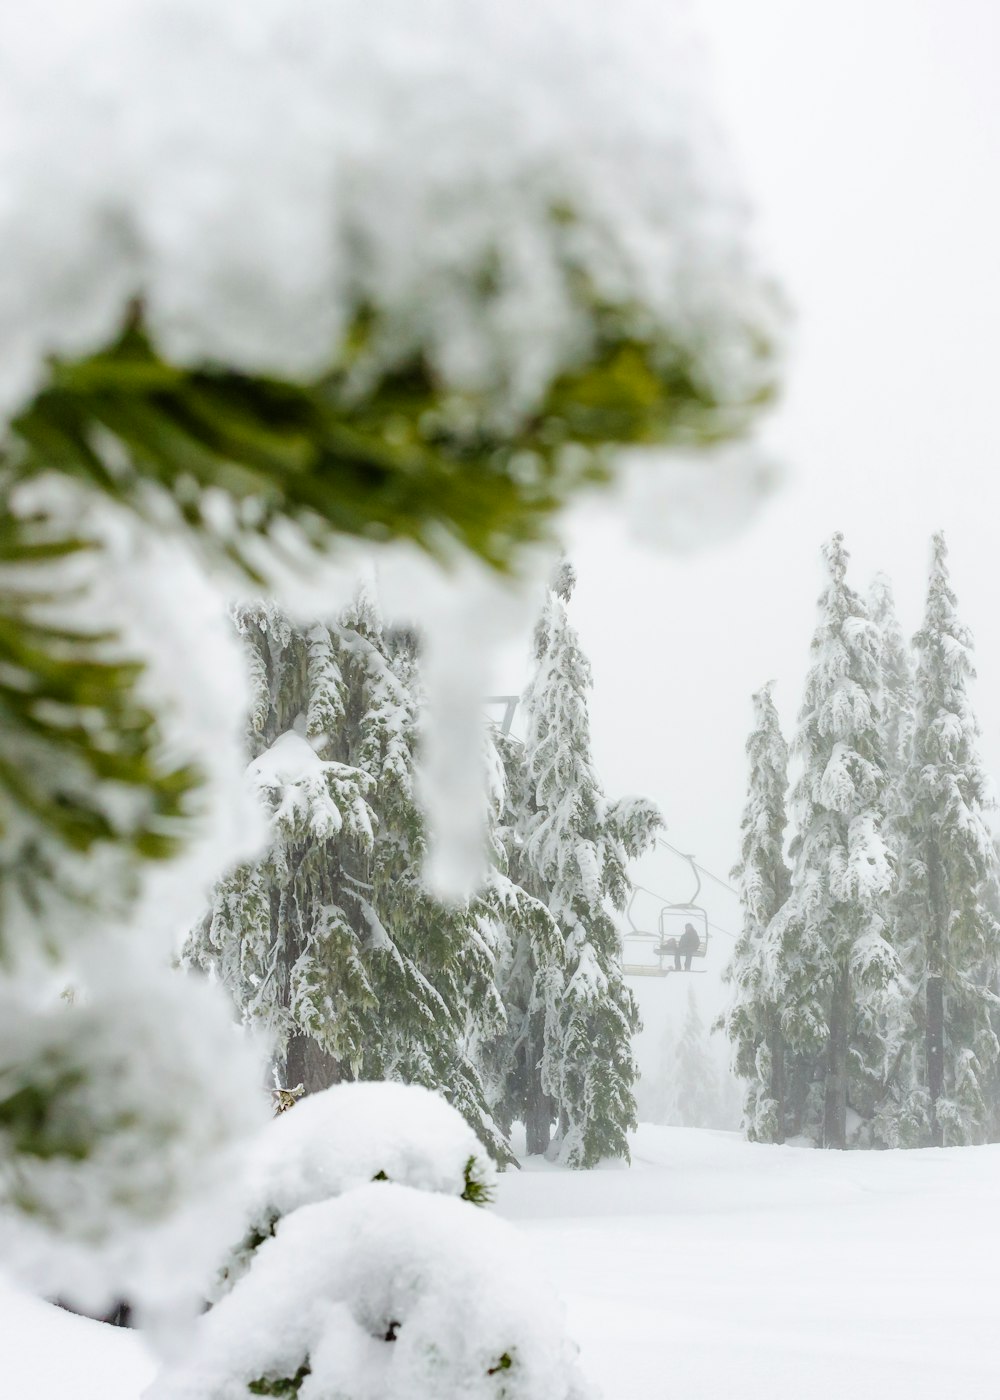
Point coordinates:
[(340, 158), (193, 679), (144, 1072), (125, 1110)]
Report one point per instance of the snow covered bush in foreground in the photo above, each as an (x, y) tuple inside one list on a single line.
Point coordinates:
[(351, 1134), (369, 1273), (385, 1293)]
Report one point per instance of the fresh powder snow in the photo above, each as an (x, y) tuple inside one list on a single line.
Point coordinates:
[(711, 1267)]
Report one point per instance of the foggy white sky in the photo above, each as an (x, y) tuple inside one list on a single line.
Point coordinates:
[(869, 138)]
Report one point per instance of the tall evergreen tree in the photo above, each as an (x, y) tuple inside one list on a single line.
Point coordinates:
[(331, 939), (835, 969), (949, 933), (573, 846), (531, 962), (752, 1020), (896, 672)]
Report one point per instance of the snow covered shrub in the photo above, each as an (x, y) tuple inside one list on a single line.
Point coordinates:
[(386, 1293), (120, 1112), (349, 1135), (367, 1272)]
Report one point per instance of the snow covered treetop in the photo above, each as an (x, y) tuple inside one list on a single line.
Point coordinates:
[(506, 194)]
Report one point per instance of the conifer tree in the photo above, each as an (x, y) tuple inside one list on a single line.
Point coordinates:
[(530, 961), (835, 969), (950, 938), (896, 671), (573, 851), (697, 1093), (332, 940), (752, 1020)]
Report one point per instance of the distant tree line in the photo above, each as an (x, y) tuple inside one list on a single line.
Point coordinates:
[(865, 1008)]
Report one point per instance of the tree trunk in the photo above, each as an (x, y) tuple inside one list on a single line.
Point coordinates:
[(835, 1108), (776, 1045), (934, 1029), (797, 1094), (308, 1064), (538, 1105)]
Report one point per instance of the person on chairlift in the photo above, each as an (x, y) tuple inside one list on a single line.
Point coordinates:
[(687, 945)]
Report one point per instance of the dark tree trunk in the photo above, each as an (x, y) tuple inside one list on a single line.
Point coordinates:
[(935, 994), (835, 1107), (308, 1064), (538, 1105), (797, 1094)]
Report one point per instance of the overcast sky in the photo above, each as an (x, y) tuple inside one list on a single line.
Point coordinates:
[(869, 139)]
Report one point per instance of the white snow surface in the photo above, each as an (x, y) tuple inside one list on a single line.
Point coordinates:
[(714, 1267), (53, 1355), (711, 1267)]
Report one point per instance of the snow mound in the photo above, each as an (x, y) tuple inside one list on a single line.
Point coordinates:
[(387, 1293), (353, 1134), (50, 1354)]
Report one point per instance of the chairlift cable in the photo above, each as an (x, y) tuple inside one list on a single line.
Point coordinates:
[(684, 856)]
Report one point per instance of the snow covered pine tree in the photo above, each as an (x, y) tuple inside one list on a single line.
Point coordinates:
[(834, 970), (947, 930), (896, 671), (521, 1065), (752, 1020), (570, 849), (331, 941)]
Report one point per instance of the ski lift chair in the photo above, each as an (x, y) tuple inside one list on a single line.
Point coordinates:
[(669, 930)]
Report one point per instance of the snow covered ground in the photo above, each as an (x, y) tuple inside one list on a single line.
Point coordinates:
[(48, 1354), (710, 1268), (716, 1268)]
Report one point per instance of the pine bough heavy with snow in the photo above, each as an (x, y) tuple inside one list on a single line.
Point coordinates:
[(877, 976)]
